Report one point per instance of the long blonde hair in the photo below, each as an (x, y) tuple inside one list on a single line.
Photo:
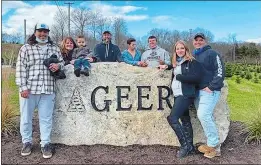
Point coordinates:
[(188, 55)]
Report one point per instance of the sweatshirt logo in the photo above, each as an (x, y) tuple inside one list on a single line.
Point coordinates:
[(153, 53), (219, 67)]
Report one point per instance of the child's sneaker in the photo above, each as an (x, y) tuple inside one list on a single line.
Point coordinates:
[(77, 72), (85, 72), (27, 149)]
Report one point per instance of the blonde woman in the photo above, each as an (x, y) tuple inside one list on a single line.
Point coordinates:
[(186, 75)]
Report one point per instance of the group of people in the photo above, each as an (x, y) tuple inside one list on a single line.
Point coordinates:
[(197, 77)]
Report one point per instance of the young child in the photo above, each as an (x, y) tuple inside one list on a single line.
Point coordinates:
[(82, 56)]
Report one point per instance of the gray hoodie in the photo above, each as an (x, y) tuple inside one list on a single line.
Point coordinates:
[(152, 56)]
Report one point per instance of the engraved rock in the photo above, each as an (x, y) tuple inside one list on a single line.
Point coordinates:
[(76, 122)]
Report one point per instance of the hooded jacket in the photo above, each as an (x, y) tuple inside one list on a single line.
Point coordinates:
[(104, 52), (213, 68)]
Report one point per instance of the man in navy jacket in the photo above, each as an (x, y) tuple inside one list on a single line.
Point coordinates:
[(106, 51), (208, 93)]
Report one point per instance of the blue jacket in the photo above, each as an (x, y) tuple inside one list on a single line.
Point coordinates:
[(213, 67), (129, 59)]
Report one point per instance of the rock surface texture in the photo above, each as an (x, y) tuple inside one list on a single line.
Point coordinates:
[(76, 122)]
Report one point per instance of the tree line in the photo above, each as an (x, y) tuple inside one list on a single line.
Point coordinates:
[(91, 24)]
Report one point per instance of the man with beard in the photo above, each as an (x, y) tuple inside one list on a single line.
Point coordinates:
[(106, 51)]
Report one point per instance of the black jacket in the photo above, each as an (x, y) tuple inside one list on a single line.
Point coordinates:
[(190, 77), (113, 54), (213, 67), (67, 57)]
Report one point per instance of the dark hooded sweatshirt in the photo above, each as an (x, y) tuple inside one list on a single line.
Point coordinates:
[(107, 52), (213, 67)]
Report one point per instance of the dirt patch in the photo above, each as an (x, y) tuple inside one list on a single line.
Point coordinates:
[(234, 151)]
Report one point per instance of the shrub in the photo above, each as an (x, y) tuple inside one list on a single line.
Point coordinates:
[(242, 75), (238, 80), (248, 76), (229, 72), (238, 71), (253, 127), (8, 122), (255, 80), (9, 110), (259, 76)]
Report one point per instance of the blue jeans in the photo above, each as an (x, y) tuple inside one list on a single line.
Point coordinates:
[(205, 104), (81, 61), (45, 105)]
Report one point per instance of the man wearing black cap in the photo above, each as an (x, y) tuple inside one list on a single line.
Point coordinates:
[(106, 51), (208, 93), (37, 87)]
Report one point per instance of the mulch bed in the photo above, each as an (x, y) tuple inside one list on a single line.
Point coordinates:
[(234, 151)]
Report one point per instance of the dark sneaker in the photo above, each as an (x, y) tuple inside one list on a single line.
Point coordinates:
[(86, 72), (47, 151), (27, 149), (77, 72)]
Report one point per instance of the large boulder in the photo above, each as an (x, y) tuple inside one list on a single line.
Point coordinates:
[(79, 118)]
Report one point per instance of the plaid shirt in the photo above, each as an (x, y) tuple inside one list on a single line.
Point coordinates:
[(31, 73)]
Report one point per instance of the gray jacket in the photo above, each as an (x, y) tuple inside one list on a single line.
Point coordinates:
[(81, 52), (152, 56)]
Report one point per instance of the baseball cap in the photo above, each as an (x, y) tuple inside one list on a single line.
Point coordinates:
[(199, 35), (42, 26), (106, 32)]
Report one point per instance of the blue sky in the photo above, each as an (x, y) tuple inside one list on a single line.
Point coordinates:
[(219, 17)]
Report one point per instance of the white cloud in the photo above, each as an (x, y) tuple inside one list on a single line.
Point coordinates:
[(118, 11), (134, 17), (256, 40), (171, 22), (161, 18), (41, 13), (163, 21), (45, 13), (8, 5)]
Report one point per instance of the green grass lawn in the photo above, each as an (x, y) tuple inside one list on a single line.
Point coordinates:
[(243, 98)]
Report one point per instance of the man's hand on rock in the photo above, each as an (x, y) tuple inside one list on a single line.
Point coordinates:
[(90, 59), (142, 64), (163, 67), (161, 62)]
